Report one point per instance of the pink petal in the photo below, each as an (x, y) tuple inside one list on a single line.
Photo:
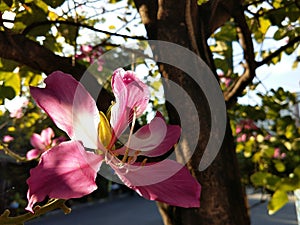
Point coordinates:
[(86, 48), (65, 171), (33, 154), (37, 141), (70, 106), (47, 135), (7, 138), (149, 136), (166, 181), (153, 139), (131, 94)]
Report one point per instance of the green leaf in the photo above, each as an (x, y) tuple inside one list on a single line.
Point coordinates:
[(11, 80), (280, 167), (30, 78), (264, 24), (200, 2), (156, 85), (297, 171), (3, 7), (114, 1), (268, 152), (7, 65), (278, 200), (295, 64), (42, 5), (9, 3), (54, 3), (68, 32), (279, 34), (259, 178), (290, 50), (265, 179), (290, 183), (6, 92), (51, 43), (32, 14), (290, 129)]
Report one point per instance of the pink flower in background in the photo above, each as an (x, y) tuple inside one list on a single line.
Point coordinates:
[(226, 80), (238, 129), (242, 138), (278, 155), (18, 112), (69, 171), (246, 125), (90, 54), (42, 142), (7, 138)]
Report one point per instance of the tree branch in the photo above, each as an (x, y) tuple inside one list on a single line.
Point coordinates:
[(12, 154), (5, 219), (77, 24), (250, 66), (278, 51), (25, 51), (148, 11)]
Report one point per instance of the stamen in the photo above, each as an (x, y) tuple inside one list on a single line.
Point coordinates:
[(129, 138), (144, 162), (130, 158), (133, 158), (99, 152)]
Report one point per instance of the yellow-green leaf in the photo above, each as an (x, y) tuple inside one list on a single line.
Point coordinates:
[(278, 200), (264, 24)]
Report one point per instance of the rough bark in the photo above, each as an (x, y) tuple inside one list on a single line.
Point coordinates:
[(222, 200)]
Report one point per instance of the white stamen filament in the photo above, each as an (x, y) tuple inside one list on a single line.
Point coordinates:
[(129, 138)]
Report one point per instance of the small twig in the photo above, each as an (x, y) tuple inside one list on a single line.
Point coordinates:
[(5, 219), (72, 23), (12, 154), (278, 51)]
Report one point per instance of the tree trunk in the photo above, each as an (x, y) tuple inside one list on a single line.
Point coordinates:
[(222, 199)]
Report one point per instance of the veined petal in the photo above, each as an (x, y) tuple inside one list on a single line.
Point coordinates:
[(131, 95), (153, 139), (33, 154), (70, 106), (65, 171), (37, 141), (47, 135), (168, 182)]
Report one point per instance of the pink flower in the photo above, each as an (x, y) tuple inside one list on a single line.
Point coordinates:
[(226, 80), (245, 125), (18, 112), (238, 129), (278, 155), (242, 138), (68, 171), (7, 138), (91, 55), (42, 142)]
